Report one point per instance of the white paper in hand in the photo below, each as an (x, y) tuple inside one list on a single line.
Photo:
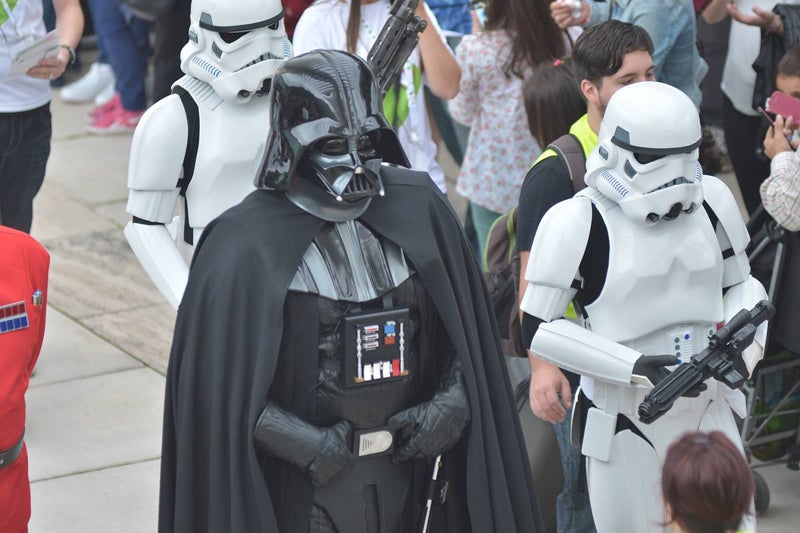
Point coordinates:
[(27, 57)]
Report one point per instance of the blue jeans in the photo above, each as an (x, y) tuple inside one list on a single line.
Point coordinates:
[(573, 513), (124, 38), (24, 149)]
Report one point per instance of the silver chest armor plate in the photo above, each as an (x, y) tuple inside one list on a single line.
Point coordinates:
[(347, 262)]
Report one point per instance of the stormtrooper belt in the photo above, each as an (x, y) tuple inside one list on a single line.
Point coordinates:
[(8, 457)]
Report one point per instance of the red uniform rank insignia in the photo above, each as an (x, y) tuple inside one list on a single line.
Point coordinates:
[(13, 317)]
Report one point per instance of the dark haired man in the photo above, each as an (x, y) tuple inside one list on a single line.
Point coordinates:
[(606, 57)]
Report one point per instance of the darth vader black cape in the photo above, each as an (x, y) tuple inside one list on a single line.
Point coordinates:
[(225, 348)]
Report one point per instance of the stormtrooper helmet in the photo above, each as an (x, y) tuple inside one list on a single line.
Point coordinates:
[(646, 158), (328, 136), (235, 46)]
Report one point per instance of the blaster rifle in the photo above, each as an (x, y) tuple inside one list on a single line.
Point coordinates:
[(717, 361), (398, 38)]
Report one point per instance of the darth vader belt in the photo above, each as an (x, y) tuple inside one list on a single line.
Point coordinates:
[(8, 457), (373, 442)]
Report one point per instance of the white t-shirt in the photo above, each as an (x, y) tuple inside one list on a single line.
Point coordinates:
[(744, 44), (20, 25), (323, 25)]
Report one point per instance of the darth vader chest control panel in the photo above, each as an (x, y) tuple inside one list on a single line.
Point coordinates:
[(375, 347)]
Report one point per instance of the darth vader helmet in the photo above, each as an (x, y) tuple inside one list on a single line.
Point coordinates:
[(328, 135)]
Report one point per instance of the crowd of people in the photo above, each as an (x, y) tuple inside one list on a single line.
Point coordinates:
[(370, 255)]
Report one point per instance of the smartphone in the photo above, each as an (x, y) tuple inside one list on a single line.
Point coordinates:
[(784, 105), (772, 121)]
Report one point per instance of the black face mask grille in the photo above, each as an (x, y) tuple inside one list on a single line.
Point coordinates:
[(360, 185)]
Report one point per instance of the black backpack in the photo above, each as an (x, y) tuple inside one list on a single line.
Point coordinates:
[(501, 266)]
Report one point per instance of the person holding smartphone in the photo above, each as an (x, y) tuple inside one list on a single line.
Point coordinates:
[(780, 192)]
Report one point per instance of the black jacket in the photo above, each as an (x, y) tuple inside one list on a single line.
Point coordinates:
[(225, 349), (773, 47)]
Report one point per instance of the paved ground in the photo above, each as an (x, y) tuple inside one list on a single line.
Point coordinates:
[(95, 402)]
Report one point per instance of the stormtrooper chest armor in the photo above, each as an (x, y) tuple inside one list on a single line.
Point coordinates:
[(231, 144), (663, 289)]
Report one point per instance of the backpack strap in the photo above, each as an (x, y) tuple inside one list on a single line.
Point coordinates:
[(190, 156), (570, 150)]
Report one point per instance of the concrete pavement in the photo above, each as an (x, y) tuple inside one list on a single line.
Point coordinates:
[(95, 402)]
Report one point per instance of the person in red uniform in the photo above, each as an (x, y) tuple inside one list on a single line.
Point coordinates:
[(24, 266)]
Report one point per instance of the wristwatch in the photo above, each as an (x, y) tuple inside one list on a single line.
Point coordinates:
[(72, 56)]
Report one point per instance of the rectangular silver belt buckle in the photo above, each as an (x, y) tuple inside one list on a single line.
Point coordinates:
[(373, 442)]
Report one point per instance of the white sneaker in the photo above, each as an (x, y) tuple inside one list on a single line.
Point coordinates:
[(106, 94), (85, 89)]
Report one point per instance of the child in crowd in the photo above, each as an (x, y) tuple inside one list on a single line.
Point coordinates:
[(518, 36), (552, 101), (780, 192), (706, 484)]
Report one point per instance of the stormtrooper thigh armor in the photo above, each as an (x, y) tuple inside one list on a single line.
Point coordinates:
[(662, 294), (371, 366), (230, 146)]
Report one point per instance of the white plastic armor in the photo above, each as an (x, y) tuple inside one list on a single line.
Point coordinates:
[(235, 46), (232, 54), (662, 295), (230, 148), (650, 170)]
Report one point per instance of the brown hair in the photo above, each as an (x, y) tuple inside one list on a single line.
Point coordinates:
[(789, 65), (552, 101), (353, 25), (706, 482), (600, 50), (535, 37)]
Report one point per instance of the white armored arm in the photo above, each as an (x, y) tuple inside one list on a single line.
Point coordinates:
[(584, 352), (157, 152), (556, 253), (155, 249), (731, 230)]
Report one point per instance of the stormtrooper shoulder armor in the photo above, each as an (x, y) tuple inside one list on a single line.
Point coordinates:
[(158, 146), (731, 230), (558, 247)]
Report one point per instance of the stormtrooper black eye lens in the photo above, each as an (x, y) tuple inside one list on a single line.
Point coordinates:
[(647, 158), (230, 37), (274, 25)]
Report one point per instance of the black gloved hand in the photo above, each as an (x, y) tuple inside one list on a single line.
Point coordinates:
[(322, 453), (433, 427), (653, 368)]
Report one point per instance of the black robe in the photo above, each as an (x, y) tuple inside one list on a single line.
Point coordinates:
[(225, 349)]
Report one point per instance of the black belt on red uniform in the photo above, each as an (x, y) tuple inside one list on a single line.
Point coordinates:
[(7, 457)]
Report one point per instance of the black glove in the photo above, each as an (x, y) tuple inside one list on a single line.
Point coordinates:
[(652, 367), (433, 427), (322, 453)]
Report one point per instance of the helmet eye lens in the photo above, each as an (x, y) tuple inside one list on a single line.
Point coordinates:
[(647, 158), (334, 146), (367, 144), (230, 37)]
